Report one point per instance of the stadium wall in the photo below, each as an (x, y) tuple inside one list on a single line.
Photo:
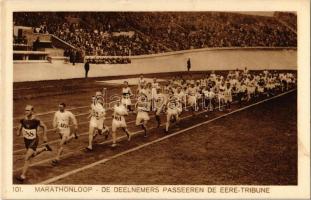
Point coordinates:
[(201, 60)]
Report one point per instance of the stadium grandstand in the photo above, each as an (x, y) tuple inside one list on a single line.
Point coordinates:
[(112, 37), (207, 92)]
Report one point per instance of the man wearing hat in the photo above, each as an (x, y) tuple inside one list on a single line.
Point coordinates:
[(174, 108), (143, 108), (126, 96), (61, 122), (160, 102), (118, 121), (192, 96), (98, 115)]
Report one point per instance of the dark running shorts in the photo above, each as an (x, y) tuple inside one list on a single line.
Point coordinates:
[(32, 144)]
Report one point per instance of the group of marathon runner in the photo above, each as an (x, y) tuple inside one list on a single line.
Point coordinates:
[(211, 92)]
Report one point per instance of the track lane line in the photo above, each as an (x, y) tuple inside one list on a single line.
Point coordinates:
[(71, 108), (82, 134), (51, 180), (57, 140), (121, 138), (77, 115), (51, 112), (106, 141)]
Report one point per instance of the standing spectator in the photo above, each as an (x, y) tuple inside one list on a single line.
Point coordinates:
[(77, 56), (86, 68), (188, 64), (70, 55), (73, 57), (66, 53), (35, 44)]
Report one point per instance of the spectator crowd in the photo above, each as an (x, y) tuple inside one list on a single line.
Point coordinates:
[(288, 17), (139, 33), (111, 60)]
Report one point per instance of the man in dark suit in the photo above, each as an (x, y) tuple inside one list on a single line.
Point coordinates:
[(35, 44), (86, 68), (73, 57), (188, 64)]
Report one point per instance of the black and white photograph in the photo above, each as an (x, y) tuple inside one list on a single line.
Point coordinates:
[(156, 102)]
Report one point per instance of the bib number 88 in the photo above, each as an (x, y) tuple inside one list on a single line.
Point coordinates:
[(29, 133)]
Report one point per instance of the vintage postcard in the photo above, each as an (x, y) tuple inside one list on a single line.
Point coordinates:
[(155, 100)]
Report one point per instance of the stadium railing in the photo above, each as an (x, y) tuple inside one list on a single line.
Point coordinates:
[(59, 43), (30, 55), (212, 49)]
